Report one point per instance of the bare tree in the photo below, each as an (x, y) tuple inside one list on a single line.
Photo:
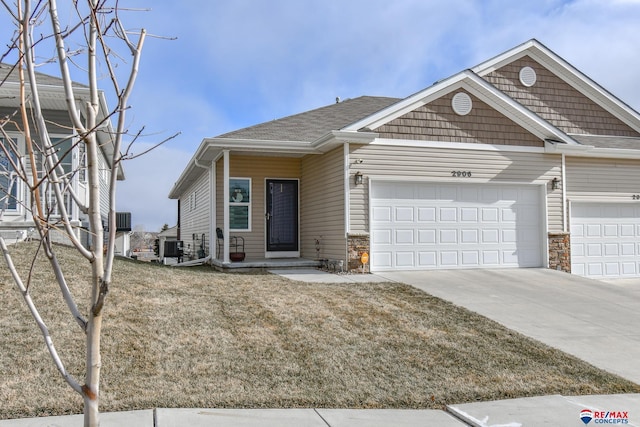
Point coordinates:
[(38, 163)]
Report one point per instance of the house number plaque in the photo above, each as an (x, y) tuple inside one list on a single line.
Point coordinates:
[(636, 197), (461, 174)]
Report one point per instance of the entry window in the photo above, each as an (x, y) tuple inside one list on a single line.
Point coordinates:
[(8, 182), (240, 204)]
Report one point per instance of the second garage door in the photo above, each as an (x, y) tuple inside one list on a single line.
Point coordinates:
[(418, 225), (605, 239)]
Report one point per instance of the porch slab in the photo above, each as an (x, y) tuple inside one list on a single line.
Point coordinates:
[(313, 275), (264, 264)]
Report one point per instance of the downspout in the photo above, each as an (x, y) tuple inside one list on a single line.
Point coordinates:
[(347, 191), (564, 195), (213, 219)]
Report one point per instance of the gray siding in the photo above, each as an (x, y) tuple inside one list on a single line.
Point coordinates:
[(409, 163), (322, 206), (602, 178), (194, 216)]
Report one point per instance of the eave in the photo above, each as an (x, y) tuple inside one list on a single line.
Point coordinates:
[(554, 147), (211, 149)]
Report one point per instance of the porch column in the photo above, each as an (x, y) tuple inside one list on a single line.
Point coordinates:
[(212, 210), (225, 212)]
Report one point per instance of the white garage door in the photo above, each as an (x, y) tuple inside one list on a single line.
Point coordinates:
[(605, 239), (419, 226)]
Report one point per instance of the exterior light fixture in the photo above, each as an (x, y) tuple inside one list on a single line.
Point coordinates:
[(555, 183), (358, 178)]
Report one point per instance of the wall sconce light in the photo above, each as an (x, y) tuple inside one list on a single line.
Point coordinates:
[(358, 178), (555, 183)]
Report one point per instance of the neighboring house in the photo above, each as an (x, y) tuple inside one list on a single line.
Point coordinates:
[(15, 218), (521, 161)]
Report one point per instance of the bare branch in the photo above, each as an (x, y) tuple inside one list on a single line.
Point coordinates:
[(128, 156)]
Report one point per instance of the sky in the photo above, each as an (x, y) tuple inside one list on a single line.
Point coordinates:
[(212, 66)]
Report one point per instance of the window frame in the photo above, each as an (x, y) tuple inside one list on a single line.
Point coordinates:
[(240, 202), (18, 196)]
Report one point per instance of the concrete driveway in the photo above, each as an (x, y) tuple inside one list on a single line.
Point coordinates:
[(597, 321)]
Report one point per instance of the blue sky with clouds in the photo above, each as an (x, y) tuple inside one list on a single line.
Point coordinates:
[(235, 63)]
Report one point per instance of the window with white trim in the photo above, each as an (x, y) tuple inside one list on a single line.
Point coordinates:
[(8, 180), (240, 204)]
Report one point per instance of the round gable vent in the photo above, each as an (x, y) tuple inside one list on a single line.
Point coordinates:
[(528, 76), (461, 103)]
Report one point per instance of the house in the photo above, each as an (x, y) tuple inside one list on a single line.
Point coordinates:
[(521, 161), (15, 217)]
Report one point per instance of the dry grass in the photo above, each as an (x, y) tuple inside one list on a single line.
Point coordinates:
[(196, 338)]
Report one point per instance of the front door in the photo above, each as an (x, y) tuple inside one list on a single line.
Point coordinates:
[(282, 217)]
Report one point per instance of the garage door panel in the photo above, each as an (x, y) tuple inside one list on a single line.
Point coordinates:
[(448, 215), (490, 215), (381, 237), (426, 214), (470, 258), (404, 237), (448, 236), (627, 230), (629, 268), (491, 258), (469, 236), (604, 239), (628, 249), (426, 237), (490, 236), (405, 259), (427, 259), (381, 214), (469, 225), (404, 214), (449, 258), (469, 214)]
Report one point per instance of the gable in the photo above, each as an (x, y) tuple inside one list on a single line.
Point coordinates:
[(556, 101), (437, 121)]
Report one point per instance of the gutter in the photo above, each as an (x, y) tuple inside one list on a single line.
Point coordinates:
[(555, 147)]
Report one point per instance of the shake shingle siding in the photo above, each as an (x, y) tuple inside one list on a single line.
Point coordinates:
[(437, 121), (556, 101)]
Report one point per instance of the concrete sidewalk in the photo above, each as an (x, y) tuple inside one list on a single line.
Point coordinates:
[(534, 411)]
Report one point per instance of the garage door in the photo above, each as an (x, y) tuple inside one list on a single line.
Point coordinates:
[(427, 225), (605, 239)]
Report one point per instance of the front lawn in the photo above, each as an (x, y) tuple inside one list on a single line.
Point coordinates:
[(197, 338)]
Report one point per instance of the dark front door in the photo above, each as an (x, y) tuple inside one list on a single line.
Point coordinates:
[(282, 215)]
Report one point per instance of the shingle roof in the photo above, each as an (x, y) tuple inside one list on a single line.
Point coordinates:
[(9, 74), (606, 141), (311, 125)]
